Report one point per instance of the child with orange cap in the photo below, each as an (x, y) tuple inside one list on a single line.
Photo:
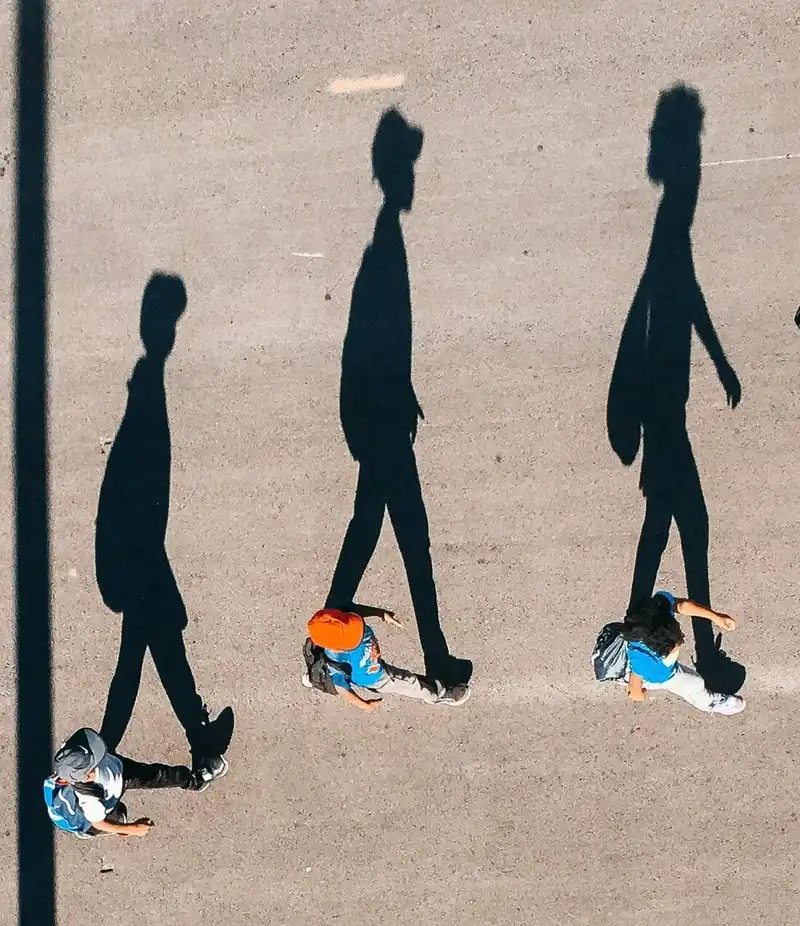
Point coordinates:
[(353, 659)]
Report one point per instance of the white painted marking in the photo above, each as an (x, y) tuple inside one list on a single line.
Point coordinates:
[(361, 84), (771, 157), (307, 254)]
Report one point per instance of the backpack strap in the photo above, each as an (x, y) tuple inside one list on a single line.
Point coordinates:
[(319, 667), (90, 789), (344, 667)]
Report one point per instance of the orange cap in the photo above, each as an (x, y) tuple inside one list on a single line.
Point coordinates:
[(337, 630)]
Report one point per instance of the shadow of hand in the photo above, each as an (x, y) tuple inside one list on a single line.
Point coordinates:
[(731, 385), (418, 416)]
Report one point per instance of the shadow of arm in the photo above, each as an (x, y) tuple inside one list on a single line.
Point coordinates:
[(623, 408), (708, 336)]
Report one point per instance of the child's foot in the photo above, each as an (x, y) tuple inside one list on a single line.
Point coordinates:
[(456, 695), (727, 705), (305, 681), (208, 770)]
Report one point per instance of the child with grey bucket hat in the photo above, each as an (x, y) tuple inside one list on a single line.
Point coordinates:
[(84, 793)]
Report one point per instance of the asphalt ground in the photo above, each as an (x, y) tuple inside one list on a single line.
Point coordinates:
[(201, 139)]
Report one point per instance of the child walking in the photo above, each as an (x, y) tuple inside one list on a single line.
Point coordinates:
[(654, 638), (353, 660), (83, 795)]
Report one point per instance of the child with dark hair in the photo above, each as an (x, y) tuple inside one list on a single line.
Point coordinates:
[(654, 639)]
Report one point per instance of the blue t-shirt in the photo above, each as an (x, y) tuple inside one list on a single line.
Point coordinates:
[(646, 663), (366, 667)]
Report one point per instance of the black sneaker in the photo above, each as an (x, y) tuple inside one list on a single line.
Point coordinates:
[(456, 695), (206, 771), (210, 737)]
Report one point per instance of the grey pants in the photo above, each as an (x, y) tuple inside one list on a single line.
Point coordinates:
[(689, 685), (409, 685)]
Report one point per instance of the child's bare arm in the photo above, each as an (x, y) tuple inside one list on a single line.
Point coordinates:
[(352, 698), (687, 608), (636, 691), (367, 611), (139, 828)]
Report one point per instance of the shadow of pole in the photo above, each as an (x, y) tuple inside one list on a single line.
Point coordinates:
[(36, 872)]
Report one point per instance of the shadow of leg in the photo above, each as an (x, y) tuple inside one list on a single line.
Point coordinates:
[(652, 543), (691, 519), (362, 534), (124, 688), (410, 522), (169, 655), (165, 614), (720, 672)]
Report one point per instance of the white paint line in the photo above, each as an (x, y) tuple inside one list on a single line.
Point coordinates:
[(307, 254), (771, 157), (361, 84)]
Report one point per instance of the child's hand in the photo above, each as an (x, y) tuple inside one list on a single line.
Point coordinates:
[(388, 618), (724, 622), (141, 827), (639, 694), (370, 706)]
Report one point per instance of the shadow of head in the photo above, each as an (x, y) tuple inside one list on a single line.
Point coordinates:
[(163, 303), (675, 149), (395, 149)]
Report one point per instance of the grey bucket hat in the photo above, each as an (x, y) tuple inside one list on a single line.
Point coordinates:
[(81, 753)]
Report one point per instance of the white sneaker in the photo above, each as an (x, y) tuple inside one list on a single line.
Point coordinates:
[(728, 705), (305, 681), (456, 695)]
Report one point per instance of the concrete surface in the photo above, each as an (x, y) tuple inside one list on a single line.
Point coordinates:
[(199, 138)]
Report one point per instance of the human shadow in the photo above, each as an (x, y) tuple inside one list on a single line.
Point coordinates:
[(379, 408), (649, 387), (133, 570)]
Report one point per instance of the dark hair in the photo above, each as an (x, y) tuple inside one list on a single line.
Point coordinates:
[(650, 621)]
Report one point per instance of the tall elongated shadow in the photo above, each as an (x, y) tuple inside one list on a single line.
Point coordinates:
[(36, 871), (379, 408), (649, 388), (133, 570)]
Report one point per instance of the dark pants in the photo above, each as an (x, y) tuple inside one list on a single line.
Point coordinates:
[(147, 776), (141, 776)]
